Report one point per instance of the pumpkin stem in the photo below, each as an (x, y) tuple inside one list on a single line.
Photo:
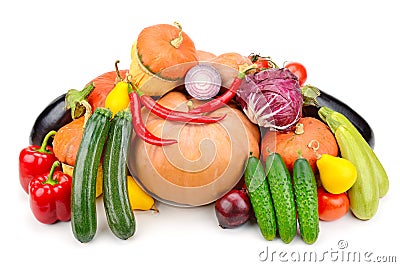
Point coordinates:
[(299, 128), (178, 40)]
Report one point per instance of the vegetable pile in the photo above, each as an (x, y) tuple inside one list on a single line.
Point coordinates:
[(187, 127)]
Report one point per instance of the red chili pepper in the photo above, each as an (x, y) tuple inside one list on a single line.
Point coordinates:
[(50, 196), (35, 160), (223, 99), (175, 115), (138, 125)]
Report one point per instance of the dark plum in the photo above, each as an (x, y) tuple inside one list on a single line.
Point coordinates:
[(233, 209)]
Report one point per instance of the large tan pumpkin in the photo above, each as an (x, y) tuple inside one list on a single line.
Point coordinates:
[(207, 161)]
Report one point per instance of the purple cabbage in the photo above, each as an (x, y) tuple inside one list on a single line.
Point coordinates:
[(271, 98)]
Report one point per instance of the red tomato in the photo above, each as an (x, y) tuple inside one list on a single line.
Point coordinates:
[(261, 62), (299, 70), (332, 206)]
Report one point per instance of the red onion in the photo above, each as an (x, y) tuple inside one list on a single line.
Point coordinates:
[(203, 81), (233, 209)]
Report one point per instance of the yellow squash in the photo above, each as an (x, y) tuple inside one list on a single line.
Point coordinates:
[(118, 98), (139, 199), (337, 174)]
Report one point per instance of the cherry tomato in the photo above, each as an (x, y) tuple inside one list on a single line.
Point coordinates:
[(299, 70), (332, 206), (261, 62)]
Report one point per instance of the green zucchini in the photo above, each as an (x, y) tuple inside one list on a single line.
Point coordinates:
[(260, 197), (280, 184), (380, 173), (364, 194), (306, 199), (83, 203), (372, 180), (119, 214)]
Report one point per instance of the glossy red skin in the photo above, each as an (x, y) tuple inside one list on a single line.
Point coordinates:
[(32, 163), (51, 203), (261, 62), (298, 70), (332, 206), (233, 209)]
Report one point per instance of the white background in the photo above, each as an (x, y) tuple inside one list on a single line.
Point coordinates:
[(350, 49)]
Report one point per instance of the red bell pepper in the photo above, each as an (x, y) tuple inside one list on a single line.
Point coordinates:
[(35, 160), (50, 196)]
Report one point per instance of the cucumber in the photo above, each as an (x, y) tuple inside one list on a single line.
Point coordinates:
[(280, 184), (83, 199), (260, 197), (306, 199), (120, 217)]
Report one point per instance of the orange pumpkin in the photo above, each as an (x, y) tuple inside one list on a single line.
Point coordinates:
[(232, 59), (207, 161), (228, 65), (67, 140), (163, 52), (66, 144), (310, 136), (205, 55)]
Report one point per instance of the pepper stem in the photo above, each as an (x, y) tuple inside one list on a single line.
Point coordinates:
[(119, 77), (178, 40), (243, 69), (43, 149), (50, 179), (133, 88)]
